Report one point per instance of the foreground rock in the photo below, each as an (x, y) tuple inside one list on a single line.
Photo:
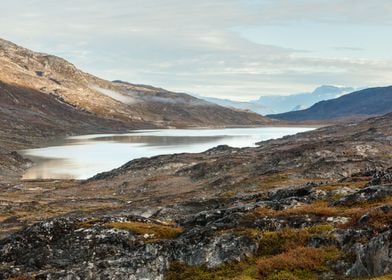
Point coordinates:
[(75, 248), (239, 229), (374, 258)]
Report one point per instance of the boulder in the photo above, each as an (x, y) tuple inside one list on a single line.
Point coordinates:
[(373, 258), (368, 194)]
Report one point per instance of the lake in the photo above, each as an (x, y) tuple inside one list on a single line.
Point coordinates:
[(81, 157)]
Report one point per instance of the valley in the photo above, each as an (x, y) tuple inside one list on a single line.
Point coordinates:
[(44, 97), (301, 203)]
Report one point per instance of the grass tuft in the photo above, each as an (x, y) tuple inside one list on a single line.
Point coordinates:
[(297, 274), (302, 258), (156, 231)]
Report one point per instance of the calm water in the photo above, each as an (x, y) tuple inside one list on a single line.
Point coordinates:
[(81, 157)]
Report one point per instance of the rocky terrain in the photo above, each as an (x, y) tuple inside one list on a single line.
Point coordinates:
[(356, 105), (315, 205)]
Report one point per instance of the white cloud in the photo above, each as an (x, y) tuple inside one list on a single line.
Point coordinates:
[(192, 46)]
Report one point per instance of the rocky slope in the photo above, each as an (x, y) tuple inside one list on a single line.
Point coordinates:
[(357, 105), (316, 205), (121, 101)]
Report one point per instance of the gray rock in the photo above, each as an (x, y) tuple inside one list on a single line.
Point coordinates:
[(63, 249), (381, 177), (215, 249), (374, 258), (364, 195)]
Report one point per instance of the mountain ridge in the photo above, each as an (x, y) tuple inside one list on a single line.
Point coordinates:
[(360, 104), (54, 75), (274, 104)]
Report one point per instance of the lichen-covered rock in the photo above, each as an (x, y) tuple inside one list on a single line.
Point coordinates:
[(368, 194), (64, 249), (381, 177), (291, 192), (375, 257), (73, 248), (201, 247)]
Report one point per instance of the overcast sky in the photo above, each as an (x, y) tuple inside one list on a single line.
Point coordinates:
[(238, 49)]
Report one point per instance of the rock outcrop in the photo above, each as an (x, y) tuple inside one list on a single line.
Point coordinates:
[(375, 257)]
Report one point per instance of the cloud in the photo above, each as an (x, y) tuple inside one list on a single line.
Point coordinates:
[(195, 46), (349, 49)]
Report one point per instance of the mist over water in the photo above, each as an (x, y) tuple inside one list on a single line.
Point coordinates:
[(81, 157)]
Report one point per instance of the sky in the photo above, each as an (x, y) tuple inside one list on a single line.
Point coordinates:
[(237, 49)]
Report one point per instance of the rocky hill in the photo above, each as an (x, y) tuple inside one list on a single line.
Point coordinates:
[(357, 105), (316, 205), (120, 101)]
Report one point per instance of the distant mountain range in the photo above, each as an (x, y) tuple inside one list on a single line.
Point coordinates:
[(360, 104), (242, 105), (278, 103)]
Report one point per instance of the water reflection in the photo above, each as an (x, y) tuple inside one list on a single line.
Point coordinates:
[(161, 140), (81, 157)]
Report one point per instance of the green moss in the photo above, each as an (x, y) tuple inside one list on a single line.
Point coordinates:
[(157, 231), (237, 270), (303, 258), (228, 194), (275, 179), (297, 274), (88, 223), (320, 229), (276, 242), (337, 196)]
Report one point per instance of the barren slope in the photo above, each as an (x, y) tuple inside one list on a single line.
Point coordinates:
[(122, 101)]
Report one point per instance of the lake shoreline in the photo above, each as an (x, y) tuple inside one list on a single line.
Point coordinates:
[(72, 154)]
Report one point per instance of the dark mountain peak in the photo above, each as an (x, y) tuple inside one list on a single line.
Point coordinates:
[(360, 104)]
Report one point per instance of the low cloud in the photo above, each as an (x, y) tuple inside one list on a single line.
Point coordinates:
[(115, 95)]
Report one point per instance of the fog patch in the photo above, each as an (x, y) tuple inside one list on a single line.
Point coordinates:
[(126, 99), (132, 97), (176, 100)]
